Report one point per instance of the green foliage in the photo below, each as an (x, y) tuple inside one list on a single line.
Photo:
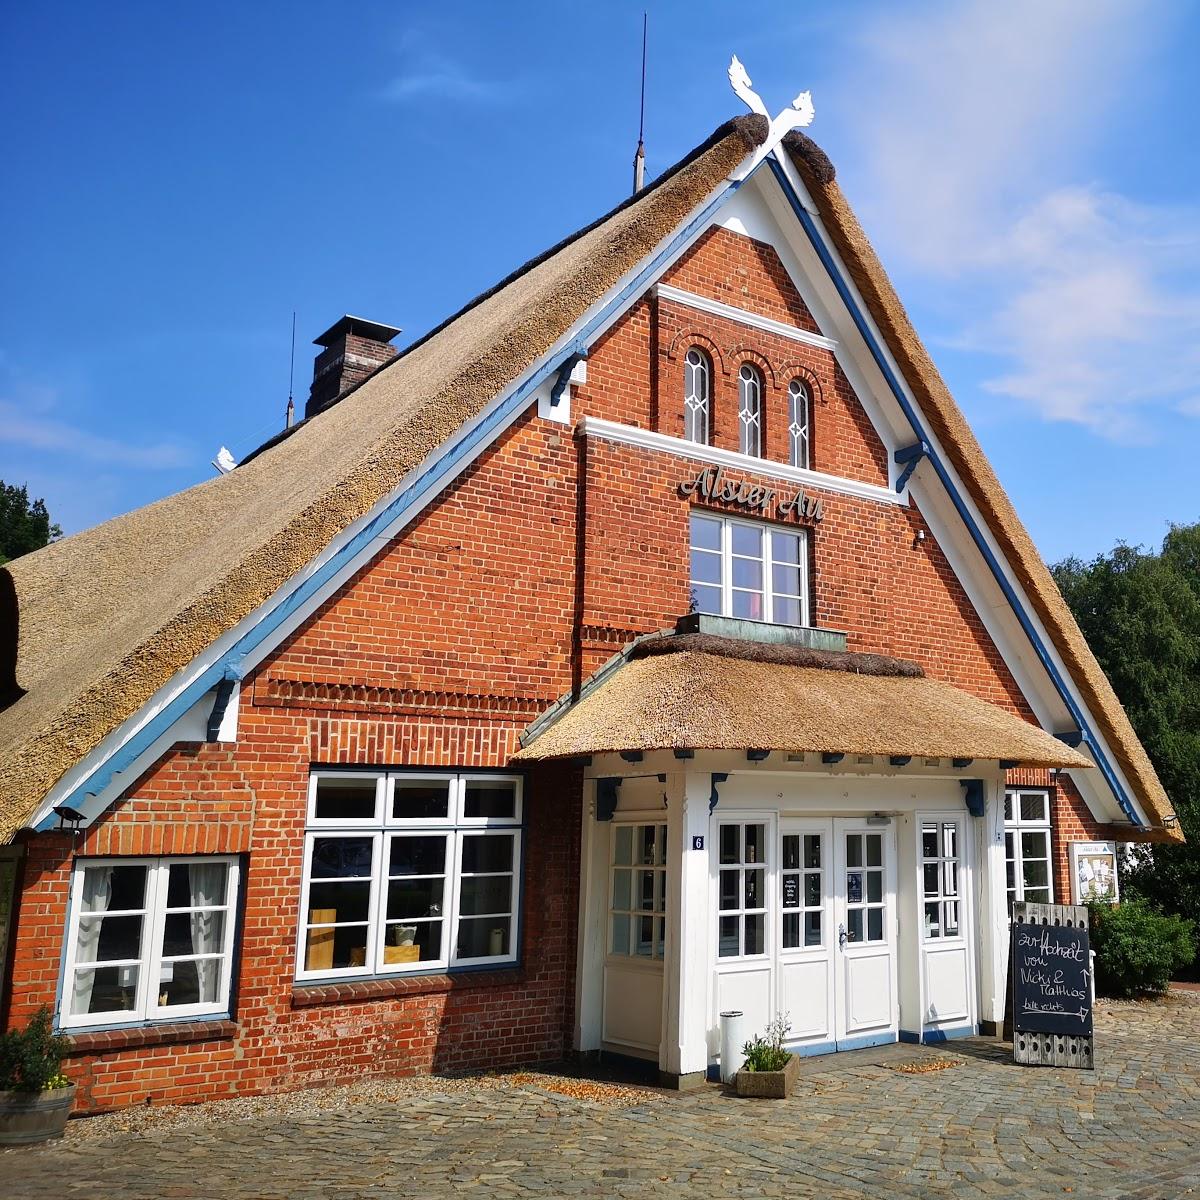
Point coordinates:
[(31, 1058), (24, 526), (1138, 949), (766, 1052), (1140, 612)]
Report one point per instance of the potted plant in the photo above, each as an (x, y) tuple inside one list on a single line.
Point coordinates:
[(35, 1096), (769, 1071)]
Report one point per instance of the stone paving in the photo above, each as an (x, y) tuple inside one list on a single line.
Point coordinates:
[(857, 1126)]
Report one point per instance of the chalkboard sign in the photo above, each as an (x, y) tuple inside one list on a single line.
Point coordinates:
[(1052, 980), (791, 891), (1050, 986)]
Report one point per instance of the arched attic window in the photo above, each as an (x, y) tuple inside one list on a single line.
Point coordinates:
[(799, 423), (750, 390), (697, 395)]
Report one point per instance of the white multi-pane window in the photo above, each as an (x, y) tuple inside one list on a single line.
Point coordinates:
[(940, 877), (742, 890), (638, 899), (697, 395), (149, 939), (1027, 847), (409, 872), (865, 887), (799, 417), (750, 390), (744, 569), (803, 889)]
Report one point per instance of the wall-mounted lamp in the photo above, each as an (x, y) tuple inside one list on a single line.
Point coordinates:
[(71, 818), (879, 819)]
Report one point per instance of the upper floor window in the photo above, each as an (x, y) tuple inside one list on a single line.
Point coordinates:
[(799, 415), (409, 872), (750, 390), (1027, 847), (743, 569), (697, 395), (149, 939)]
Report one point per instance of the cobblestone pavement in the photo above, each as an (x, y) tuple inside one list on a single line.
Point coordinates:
[(856, 1126)]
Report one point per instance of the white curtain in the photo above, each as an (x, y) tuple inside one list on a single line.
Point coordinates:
[(205, 881), (97, 894)]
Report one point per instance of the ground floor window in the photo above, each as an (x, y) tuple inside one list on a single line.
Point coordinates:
[(638, 898), (939, 878), (1027, 847), (742, 890), (149, 938), (407, 872)]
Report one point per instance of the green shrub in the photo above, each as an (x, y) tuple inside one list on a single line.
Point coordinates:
[(766, 1052), (31, 1058), (1138, 948)]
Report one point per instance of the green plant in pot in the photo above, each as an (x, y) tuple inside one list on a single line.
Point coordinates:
[(35, 1096), (769, 1071)]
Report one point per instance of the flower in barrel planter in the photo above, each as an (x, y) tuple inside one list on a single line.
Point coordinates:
[(35, 1096), (770, 1071)]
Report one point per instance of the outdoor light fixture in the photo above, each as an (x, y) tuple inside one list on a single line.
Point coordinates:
[(879, 819), (68, 816)]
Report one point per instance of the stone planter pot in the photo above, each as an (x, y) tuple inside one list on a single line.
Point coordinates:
[(768, 1085), (27, 1117)]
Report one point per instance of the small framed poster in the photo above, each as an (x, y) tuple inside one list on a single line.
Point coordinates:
[(1094, 872)]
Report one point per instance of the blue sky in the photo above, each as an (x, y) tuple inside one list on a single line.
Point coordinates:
[(180, 177)]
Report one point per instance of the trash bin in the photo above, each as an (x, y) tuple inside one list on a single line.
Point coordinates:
[(734, 1036)]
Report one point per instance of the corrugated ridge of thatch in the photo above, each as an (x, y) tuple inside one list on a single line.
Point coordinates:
[(853, 662), (110, 615), (977, 474)]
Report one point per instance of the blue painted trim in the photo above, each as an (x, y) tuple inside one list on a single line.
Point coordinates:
[(756, 755), (866, 1040), (974, 797), (910, 457), (457, 447), (914, 420), (220, 705), (579, 352), (607, 789), (909, 1038), (932, 1037), (718, 778), (829, 759), (812, 1049)]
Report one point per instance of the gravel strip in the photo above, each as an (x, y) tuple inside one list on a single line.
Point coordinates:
[(156, 1120)]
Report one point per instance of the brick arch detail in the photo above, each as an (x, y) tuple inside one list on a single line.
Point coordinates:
[(689, 338), (800, 371), (743, 354)]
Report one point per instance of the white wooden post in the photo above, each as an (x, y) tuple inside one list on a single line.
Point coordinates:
[(993, 907), (593, 896), (684, 1055)]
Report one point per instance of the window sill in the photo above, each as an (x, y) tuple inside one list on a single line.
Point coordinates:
[(104, 1041), (311, 995)]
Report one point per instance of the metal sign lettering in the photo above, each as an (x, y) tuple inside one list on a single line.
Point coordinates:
[(712, 485)]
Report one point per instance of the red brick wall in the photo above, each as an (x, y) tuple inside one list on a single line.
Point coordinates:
[(509, 588)]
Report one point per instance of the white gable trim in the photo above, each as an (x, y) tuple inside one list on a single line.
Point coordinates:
[(742, 316)]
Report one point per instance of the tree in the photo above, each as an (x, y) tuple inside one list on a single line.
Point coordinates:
[(1140, 612), (24, 526)]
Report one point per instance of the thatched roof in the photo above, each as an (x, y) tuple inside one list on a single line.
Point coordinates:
[(106, 617), (969, 460), (679, 696), (92, 627)]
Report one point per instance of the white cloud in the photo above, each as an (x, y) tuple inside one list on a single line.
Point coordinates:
[(976, 124), (429, 75)]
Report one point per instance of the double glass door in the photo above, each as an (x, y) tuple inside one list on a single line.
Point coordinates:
[(836, 961)]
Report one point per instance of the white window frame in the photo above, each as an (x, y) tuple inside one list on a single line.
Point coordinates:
[(950, 879), (697, 396), (456, 828), (802, 873), (150, 956), (799, 424), (1015, 826), (766, 559), (633, 913), (750, 409), (741, 912)]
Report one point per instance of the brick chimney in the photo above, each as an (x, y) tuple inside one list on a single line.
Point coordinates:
[(351, 349)]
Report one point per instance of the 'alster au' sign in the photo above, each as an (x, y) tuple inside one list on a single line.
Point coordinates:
[(710, 484)]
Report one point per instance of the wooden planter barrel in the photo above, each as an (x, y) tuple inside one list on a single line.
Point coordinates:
[(27, 1117)]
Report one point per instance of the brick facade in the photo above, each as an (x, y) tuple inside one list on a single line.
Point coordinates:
[(527, 574)]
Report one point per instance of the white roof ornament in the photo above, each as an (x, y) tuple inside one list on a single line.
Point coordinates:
[(796, 116)]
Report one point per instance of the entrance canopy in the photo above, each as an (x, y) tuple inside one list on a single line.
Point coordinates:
[(700, 692)]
